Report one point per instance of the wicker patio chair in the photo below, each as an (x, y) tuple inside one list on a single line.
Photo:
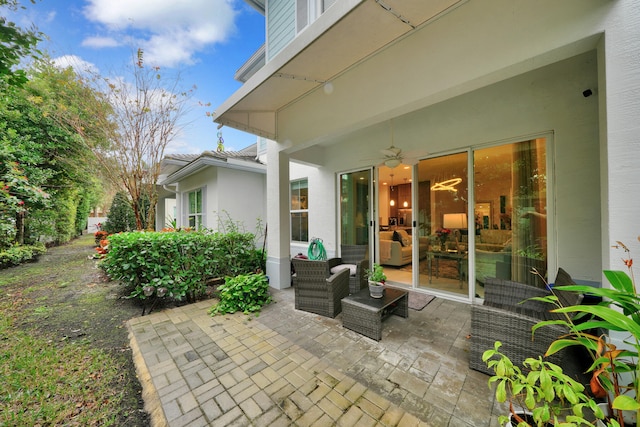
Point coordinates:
[(506, 318), (317, 290), (353, 257)]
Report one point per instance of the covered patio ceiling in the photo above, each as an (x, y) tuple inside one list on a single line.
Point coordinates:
[(349, 32)]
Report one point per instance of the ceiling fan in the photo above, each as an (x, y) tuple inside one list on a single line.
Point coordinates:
[(393, 156)]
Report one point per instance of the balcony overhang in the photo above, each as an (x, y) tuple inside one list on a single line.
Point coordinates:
[(349, 32)]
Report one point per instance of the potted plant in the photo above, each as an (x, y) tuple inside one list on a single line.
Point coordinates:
[(376, 278), (540, 394)]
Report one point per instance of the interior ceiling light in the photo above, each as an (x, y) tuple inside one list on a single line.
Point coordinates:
[(391, 202), (392, 163), (449, 185)]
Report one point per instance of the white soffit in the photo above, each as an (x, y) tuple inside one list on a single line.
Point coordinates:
[(368, 28)]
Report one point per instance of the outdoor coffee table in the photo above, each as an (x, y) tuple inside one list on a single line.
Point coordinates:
[(364, 314)]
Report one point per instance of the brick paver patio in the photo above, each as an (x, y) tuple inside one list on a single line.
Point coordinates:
[(288, 367)]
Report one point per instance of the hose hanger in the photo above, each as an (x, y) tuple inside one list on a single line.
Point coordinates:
[(316, 250)]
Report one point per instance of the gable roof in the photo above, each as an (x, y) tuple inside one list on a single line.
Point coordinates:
[(179, 166)]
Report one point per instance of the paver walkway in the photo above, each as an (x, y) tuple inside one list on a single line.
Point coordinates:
[(292, 368)]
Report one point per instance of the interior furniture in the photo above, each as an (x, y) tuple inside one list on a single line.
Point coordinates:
[(507, 315), (363, 314), (494, 240), (355, 259), (316, 289), (399, 252), (460, 258)]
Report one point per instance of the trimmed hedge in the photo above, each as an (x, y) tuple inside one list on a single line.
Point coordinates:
[(177, 264)]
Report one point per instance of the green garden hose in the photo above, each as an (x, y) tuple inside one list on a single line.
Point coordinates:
[(316, 250)]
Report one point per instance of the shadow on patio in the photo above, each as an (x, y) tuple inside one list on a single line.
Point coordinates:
[(289, 367)]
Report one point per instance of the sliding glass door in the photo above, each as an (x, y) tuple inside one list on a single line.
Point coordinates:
[(510, 212), (443, 205), (355, 217), (504, 222), (452, 221)]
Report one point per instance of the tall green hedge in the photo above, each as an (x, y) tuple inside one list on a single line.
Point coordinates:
[(177, 264)]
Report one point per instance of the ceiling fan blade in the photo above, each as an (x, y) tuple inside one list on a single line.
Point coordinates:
[(410, 161), (391, 151)]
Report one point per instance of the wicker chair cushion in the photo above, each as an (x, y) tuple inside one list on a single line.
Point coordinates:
[(566, 298), (352, 268)]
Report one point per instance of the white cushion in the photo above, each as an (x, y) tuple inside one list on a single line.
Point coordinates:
[(352, 269)]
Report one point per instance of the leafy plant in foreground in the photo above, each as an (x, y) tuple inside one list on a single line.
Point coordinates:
[(615, 370), (553, 397), (247, 293)]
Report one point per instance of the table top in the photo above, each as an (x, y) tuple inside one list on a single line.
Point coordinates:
[(447, 255), (389, 296)]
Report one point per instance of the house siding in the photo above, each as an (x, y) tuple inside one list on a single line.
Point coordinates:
[(281, 25)]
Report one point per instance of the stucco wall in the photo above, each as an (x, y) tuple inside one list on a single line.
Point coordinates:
[(547, 101), (322, 207), (243, 196), (476, 76), (206, 179)]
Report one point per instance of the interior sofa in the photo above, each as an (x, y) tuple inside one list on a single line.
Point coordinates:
[(493, 249), (398, 252), (493, 240)]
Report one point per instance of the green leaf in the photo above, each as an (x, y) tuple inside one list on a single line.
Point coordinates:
[(625, 403), (620, 280)]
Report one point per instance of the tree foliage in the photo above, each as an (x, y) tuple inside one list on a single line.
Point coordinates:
[(47, 173), (120, 217), (147, 113), (15, 44)]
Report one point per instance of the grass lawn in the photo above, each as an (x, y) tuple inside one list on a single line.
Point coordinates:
[(64, 355)]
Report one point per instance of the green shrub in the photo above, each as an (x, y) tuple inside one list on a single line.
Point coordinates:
[(120, 217), (16, 255), (247, 293), (177, 264)]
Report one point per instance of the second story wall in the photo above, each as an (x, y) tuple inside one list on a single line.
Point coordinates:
[(281, 25), (286, 18)]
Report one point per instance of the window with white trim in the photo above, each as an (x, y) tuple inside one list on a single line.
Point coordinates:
[(308, 11), (194, 209), (300, 210)]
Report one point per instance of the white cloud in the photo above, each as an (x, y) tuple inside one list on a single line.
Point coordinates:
[(100, 42), (170, 31), (79, 65)]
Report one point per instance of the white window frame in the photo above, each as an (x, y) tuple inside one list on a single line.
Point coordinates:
[(299, 210), (308, 11), (198, 216)]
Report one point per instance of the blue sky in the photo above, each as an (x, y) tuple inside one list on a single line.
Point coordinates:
[(206, 40)]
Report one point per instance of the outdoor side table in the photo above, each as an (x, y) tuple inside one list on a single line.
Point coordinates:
[(364, 314)]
